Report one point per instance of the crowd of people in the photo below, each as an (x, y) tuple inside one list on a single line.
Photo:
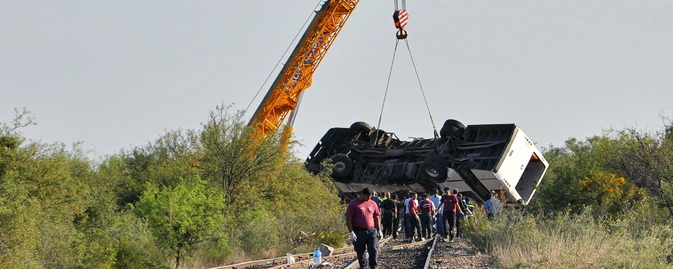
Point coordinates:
[(427, 214), (371, 217)]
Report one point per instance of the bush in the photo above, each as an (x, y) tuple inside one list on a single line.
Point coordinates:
[(257, 233), (131, 254)]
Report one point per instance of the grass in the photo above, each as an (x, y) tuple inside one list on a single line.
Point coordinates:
[(570, 240)]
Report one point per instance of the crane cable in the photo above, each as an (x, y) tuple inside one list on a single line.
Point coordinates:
[(427, 107), (402, 34), (283, 56), (385, 94)]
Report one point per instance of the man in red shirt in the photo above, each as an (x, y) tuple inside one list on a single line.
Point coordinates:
[(362, 220), (450, 203), (412, 216), (427, 210)]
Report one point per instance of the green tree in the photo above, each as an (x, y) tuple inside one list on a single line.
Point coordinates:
[(180, 217), (560, 188), (234, 156), (166, 162), (44, 194), (612, 172), (647, 160), (19, 234), (113, 227)]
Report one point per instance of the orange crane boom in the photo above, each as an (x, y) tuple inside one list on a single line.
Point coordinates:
[(282, 99)]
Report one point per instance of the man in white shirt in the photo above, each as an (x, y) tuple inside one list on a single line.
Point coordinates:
[(407, 224), (437, 220)]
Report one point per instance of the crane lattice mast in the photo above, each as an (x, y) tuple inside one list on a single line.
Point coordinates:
[(282, 99)]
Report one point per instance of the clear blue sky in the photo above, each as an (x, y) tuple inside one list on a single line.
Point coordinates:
[(118, 74)]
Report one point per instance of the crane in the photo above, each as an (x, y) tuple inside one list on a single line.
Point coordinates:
[(282, 100)]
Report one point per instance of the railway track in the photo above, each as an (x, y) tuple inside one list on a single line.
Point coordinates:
[(393, 254), (279, 261)]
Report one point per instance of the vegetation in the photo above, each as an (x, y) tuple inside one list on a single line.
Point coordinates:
[(573, 240), (220, 195), (604, 203), (191, 199)]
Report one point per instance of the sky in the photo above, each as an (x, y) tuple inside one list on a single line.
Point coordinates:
[(114, 75)]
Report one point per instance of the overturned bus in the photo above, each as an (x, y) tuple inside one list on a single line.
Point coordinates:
[(476, 159)]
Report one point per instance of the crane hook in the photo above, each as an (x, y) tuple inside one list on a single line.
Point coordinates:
[(400, 17)]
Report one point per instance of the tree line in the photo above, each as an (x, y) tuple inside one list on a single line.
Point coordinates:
[(615, 173), (192, 198), (605, 202), (221, 194)]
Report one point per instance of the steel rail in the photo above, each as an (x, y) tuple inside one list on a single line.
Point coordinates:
[(277, 260), (354, 264), (427, 260), (306, 258)]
